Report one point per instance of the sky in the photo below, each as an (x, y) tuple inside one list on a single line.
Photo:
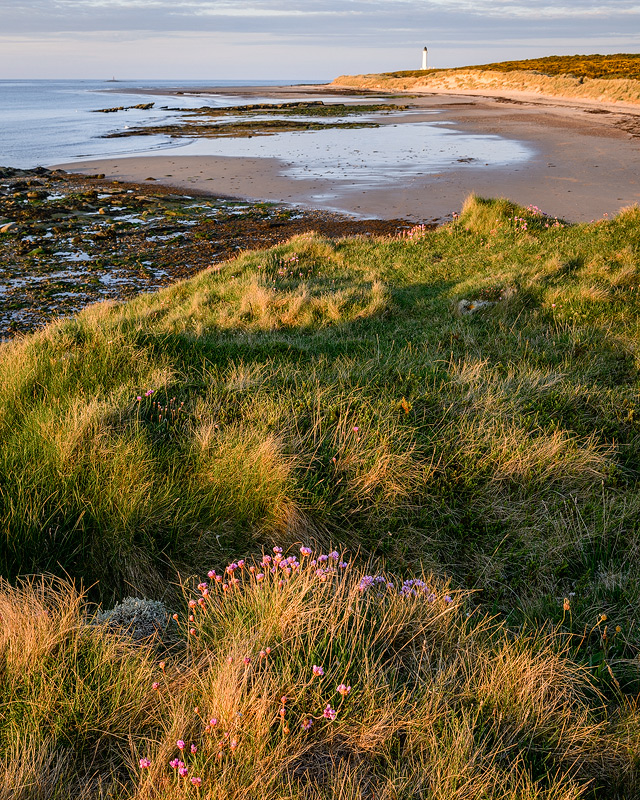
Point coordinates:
[(296, 39)]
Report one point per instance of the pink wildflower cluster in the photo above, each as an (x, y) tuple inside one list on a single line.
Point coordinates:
[(281, 567), (416, 232), (180, 766)]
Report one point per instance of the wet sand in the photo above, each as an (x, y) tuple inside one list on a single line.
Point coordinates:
[(585, 161)]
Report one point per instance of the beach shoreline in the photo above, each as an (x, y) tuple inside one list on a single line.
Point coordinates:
[(582, 163)]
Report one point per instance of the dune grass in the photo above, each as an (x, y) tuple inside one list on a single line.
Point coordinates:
[(310, 680), (317, 393), (619, 65)]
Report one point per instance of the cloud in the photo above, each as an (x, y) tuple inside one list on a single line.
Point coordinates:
[(377, 34)]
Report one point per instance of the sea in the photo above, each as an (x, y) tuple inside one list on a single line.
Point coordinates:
[(45, 122), (49, 122)]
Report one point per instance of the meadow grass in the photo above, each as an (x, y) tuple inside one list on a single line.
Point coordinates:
[(336, 392)]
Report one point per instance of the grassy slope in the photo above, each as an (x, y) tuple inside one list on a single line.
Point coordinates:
[(329, 392), (614, 78), (620, 65)]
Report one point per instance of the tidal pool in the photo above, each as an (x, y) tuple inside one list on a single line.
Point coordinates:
[(370, 157)]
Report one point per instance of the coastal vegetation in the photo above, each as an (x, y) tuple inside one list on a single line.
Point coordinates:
[(387, 491), (620, 65), (608, 78)]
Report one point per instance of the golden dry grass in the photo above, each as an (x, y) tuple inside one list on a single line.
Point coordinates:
[(439, 706)]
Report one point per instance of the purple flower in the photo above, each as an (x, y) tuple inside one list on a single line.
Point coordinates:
[(306, 551), (182, 771), (194, 749), (144, 763), (306, 724), (343, 689), (317, 671), (334, 555), (322, 559), (175, 763)]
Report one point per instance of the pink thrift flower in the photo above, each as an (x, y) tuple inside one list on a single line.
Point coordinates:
[(144, 763), (180, 744), (246, 660), (212, 574), (213, 722), (194, 749), (182, 771), (175, 763), (192, 631), (306, 724), (317, 671), (306, 551), (155, 686), (259, 576), (329, 713), (196, 781), (343, 689)]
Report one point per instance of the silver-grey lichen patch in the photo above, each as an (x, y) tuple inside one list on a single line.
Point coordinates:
[(139, 618)]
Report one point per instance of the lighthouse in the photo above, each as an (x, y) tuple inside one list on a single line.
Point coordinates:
[(424, 58)]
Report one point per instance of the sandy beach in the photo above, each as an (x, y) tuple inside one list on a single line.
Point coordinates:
[(584, 160)]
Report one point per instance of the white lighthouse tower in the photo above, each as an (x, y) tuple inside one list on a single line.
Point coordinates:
[(424, 58)]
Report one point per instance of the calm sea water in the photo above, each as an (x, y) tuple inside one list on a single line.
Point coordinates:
[(50, 122)]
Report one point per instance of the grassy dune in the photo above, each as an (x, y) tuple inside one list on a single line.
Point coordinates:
[(336, 394), (611, 79)]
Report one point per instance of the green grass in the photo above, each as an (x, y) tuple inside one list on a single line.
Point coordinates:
[(619, 65), (332, 393)]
